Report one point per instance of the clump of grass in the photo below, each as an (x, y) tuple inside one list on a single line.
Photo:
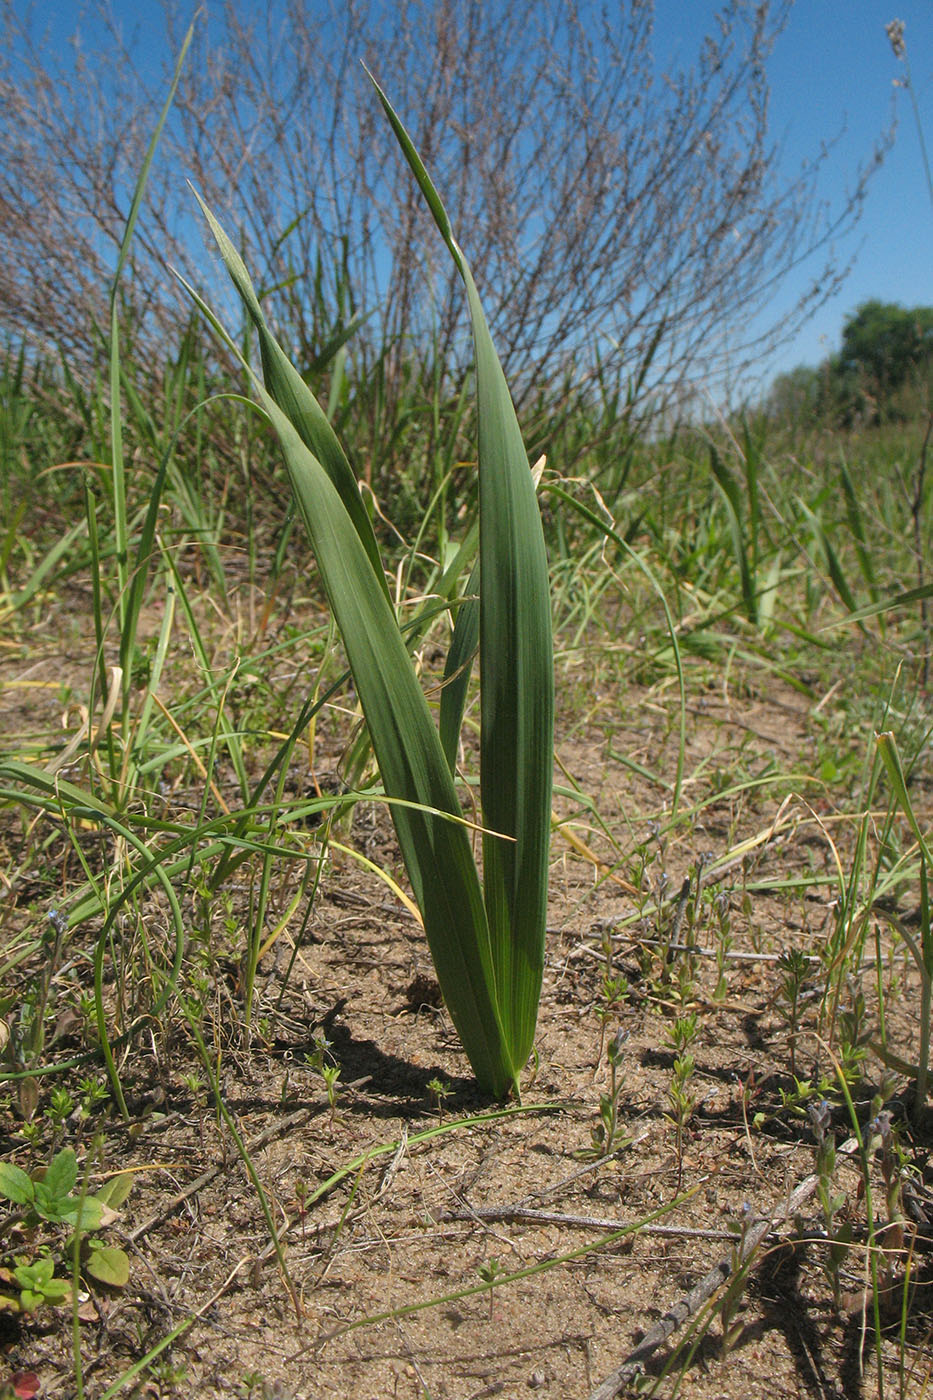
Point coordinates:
[(921, 950), (486, 939)]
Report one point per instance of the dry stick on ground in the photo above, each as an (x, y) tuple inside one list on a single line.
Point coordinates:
[(581, 1222), (689, 1305)]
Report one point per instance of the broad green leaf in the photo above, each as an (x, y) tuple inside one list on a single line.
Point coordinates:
[(108, 1264), (35, 1275), (457, 670), (408, 751), (411, 761), (62, 1173), (86, 1214), (516, 667), (15, 1185), (115, 1191)]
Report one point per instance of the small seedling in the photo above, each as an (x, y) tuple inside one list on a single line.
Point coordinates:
[(302, 1191), (489, 1272), (195, 1086), (794, 966), (92, 1092), (440, 1092), (614, 994), (48, 1201), (839, 1233), (854, 1035), (722, 908), (331, 1074), (48, 1198), (38, 1285), (732, 1298), (607, 1137), (316, 1058), (799, 1099), (704, 859), (683, 1033), (683, 1101), (894, 1165), (60, 1108)]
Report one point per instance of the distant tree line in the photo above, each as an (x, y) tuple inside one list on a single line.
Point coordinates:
[(882, 372)]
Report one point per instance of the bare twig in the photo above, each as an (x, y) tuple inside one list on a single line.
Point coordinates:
[(691, 1302), (581, 1222), (649, 218)]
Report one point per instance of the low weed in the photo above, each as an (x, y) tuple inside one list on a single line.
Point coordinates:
[(50, 1226)]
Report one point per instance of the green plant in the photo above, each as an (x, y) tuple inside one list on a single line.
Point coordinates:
[(38, 1285), (440, 1091), (838, 1232), (489, 1271), (681, 1035), (798, 1101), (317, 1058), (614, 992), (757, 594), (682, 1100), (331, 1074), (607, 1137), (47, 1200), (48, 1196), (60, 1106), (487, 941), (853, 1033), (731, 1300), (885, 1138), (92, 1092), (794, 967), (920, 950), (722, 908)]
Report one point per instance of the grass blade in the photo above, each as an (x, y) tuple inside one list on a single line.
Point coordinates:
[(292, 395), (408, 751), (516, 667)]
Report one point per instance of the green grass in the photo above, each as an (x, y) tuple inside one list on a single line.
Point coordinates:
[(192, 812), (194, 772)]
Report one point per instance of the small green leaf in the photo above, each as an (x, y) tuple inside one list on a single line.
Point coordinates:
[(47, 1202), (115, 1191), (55, 1290), (35, 1275), (15, 1185), (108, 1264), (87, 1214), (62, 1174)]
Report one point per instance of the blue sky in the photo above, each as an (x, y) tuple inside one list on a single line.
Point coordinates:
[(833, 68), (832, 71)]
